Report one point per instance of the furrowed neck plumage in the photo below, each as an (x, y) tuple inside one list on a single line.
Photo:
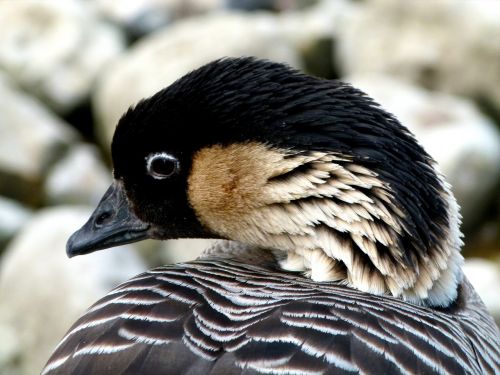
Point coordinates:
[(311, 169), (329, 217)]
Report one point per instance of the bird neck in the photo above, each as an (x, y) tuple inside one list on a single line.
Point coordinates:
[(331, 218)]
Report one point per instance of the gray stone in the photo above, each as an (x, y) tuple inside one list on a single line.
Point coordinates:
[(142, 17), (270, 5), (9, 348), (178, 251), (313, 32), (31, 140), (161, 58), (12, 217), (447, 45), (462, 140), (485, 277), (55, 49), (43, 292), (79, 178)]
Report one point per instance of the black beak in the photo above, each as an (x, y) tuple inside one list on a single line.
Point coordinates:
[(112, 223)]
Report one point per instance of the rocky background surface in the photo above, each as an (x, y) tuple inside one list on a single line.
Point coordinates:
[(68, 69)]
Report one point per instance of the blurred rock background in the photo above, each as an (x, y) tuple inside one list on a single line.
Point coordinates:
[(69, 68)]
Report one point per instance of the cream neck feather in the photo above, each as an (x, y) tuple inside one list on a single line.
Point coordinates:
[(326, 216)]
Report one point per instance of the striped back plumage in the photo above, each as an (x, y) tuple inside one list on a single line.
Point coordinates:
[(226, 317)]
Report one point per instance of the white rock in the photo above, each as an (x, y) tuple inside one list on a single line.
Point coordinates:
[(163, 57), (312, 32), (178, 251), (9, 348), (55, 48), (322, 20), (485, 277), (80, 177), (12, 217), (43, 292), (142, 17), (31, 139), (465, 143), (447, 45)]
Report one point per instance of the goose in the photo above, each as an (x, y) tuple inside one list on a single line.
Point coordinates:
[(339, 240)]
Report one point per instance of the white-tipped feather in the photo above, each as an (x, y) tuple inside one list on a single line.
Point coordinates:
[(300, 214)]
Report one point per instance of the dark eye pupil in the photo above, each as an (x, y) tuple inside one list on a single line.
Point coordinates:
[(163, 167)]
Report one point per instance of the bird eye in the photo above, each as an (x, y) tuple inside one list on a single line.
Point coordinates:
[(161, 165)]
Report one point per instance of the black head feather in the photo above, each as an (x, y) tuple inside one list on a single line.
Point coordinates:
[(245, 99)]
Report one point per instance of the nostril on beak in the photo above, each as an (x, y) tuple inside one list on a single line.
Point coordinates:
[(102, 219)]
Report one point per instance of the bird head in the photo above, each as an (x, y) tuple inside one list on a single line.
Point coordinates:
[(313, 170)]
